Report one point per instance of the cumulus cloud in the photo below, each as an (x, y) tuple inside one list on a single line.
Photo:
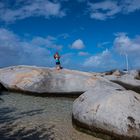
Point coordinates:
[(22, 9), (15, 50), (109, 8), (130, 46), (115, 57), (124, 44), (102, 61), (103, 10), (130, 5), (78, 44)]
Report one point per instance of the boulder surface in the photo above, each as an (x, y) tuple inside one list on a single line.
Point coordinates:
[(130, 80), (104, 106), (109, 109), (45, 80)]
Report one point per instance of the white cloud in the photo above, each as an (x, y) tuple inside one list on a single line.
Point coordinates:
[(130, 5), (126, 45), (67, 59), (83, 53), (48, 42), (24, 9), (103, 10), (15, 50), (102, 61), (78, 44), (109, 8), (115, 57), (8, 54)]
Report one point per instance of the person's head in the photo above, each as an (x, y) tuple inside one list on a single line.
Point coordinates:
[(56, 55)]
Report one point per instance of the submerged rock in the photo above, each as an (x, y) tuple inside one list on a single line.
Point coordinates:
[(45, 80), (110, 110)]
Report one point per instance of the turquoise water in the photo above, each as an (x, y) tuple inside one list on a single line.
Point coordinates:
[(24, 117)]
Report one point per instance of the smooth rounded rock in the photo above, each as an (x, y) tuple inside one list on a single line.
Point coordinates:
[(110, 110), (46, 80)]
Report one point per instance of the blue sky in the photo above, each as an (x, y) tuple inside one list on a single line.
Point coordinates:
[(90, 35)]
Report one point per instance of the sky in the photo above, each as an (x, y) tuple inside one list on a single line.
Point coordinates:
[(90, 35)]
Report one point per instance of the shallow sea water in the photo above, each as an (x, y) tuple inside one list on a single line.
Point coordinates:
[(24, 117)]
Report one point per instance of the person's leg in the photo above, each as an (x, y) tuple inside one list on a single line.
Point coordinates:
[(58, 65), (58, 68)]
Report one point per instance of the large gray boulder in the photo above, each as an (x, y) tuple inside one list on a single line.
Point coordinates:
[(109, 109), (45, 80), (130, 80)]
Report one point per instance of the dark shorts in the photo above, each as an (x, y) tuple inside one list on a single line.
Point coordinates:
[(57, 63)]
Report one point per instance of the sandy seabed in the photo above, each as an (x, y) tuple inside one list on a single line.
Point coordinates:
[(24, 117)]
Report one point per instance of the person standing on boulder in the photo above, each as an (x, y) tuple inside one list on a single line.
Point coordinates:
[(57, 60)]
